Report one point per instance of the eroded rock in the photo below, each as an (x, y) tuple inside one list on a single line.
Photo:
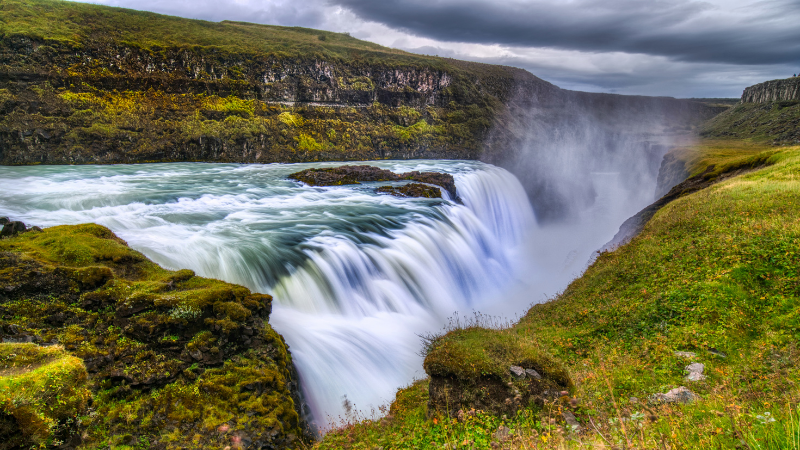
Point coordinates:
[(492, 376), (411, 190)]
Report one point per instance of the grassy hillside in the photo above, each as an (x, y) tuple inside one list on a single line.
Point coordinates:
[(714, 273), (78, 23), (83, 83), (771, 123)]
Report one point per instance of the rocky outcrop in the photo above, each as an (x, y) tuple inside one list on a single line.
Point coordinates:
[(411, 190), (165, 351), (491, 370), (337, 176), (773, 91)]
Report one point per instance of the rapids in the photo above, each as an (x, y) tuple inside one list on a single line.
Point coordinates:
[(356, 275)]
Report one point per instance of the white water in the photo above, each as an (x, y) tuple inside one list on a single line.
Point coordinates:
[(356, 275)]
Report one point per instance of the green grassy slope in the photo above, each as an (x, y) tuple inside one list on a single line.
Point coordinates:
[(773, 122), (716, 273), (76, 23)]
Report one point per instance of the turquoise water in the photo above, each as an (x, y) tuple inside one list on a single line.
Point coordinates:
[(356, 276)]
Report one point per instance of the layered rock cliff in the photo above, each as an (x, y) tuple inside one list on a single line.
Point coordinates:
[(90, 84), (768, 112), (773, 91)]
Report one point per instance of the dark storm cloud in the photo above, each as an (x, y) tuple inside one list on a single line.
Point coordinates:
[(765, 32)]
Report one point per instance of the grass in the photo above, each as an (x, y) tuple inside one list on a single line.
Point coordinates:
[(76, 23), (715, 273), (772, 123)]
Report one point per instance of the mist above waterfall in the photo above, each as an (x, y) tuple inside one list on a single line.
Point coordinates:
[(554, 140)]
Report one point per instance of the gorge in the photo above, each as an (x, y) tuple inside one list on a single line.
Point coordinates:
[(356, 275), (211, 148)]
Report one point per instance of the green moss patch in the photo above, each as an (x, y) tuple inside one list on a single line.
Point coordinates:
[(164, 350), (476, 352), (43, 393)]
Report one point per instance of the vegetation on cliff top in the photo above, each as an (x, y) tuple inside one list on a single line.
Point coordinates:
[(173, 359), (714, 273), (76, 23), (773, 122)]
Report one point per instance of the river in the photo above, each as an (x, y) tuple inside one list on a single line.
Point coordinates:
[(356, 275)]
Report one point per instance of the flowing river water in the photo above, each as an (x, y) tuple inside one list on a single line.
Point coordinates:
[(356, 275)]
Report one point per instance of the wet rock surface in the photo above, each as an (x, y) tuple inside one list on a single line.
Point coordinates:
[(411, 190), (337, 176), (11, 227)]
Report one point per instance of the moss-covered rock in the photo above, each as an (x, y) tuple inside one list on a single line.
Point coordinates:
[(173, 359), (337, 176), (472, 369), (43, 393)]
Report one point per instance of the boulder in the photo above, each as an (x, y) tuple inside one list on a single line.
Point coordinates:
[(678, 395), (488, 370), (411, 190), (695, 372), (11, 228)]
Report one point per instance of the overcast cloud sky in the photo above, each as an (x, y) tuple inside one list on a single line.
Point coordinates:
[(680, 48)]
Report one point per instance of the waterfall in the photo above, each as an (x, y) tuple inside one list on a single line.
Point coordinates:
[(353, 311), (356, 275)]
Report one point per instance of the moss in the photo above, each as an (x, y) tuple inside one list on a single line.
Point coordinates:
[(44, 390), (476, 352), (157, 343)]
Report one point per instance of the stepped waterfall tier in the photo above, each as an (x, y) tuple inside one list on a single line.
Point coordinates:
[(356, 274)]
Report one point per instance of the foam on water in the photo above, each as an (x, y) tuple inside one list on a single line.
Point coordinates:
[(356, 276)]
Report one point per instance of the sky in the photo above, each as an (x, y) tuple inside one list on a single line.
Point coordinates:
[(678, 48)]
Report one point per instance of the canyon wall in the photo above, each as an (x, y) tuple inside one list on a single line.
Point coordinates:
[(773, 91)]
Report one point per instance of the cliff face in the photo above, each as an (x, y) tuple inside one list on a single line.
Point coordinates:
[(769, 112), (84, 84), (773, 91)]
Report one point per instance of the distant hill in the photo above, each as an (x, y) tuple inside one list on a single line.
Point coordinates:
[(89, 84), (768, 112)]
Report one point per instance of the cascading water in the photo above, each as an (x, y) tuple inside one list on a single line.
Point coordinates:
[(356, 275)]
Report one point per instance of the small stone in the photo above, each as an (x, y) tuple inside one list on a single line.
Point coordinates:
[(196, 355), (517, 372), (533, 374), (634, 400), (716, 352), (686, 354), (678, 395), (695, 372), (570, 419), (502, 434)]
